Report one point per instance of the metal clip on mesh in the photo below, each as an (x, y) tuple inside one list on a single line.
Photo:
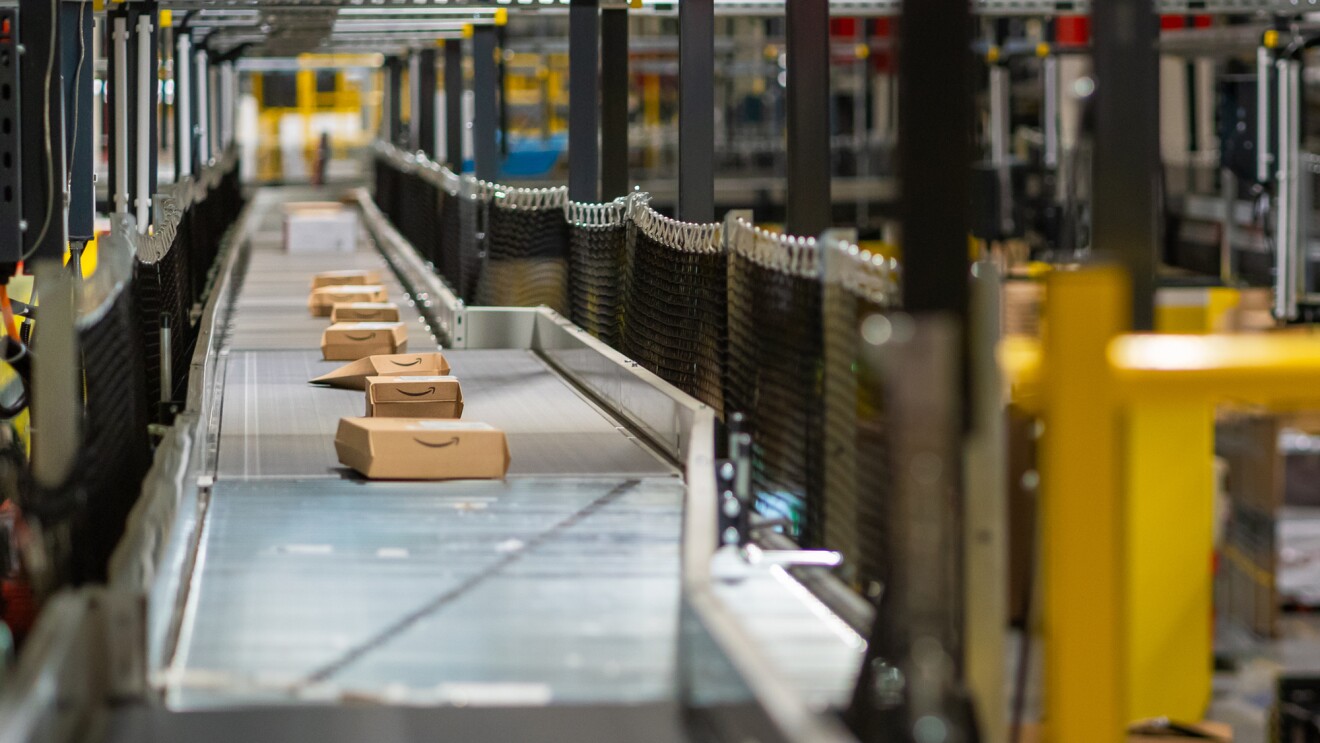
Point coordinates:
[(674, 301), (526, 262), (858, 285), (774, 369)]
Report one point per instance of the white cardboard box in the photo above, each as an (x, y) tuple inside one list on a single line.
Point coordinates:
[(320, 227)]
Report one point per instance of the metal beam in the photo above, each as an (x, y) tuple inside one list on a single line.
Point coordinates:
[(485, 119), (696, 111), (454, 104), (614, 102), (934, 37), (426, 87), (1125, 205), (78, 64), (394, 96), (41, 129), (584, 99), (808, 210)]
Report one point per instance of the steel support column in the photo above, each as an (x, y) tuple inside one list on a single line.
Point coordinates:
[(614, 102), (1125, 221), (934, 147), (584, 100), (78, 64), (394, 100), (454, 104), (808, 184), (202, 92), (426, 127), (41, 125), (696, 110), (485, 116)]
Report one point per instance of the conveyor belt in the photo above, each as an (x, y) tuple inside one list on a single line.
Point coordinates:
[(559, 584), (532, 591)]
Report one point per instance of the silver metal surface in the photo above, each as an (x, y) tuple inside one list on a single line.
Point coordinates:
[(523, 593)]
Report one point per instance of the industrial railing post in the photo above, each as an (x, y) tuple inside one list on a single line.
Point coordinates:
[(454, 104), (425, 112), (696, 111), (614, 101), (584, 100), (183, 138), (1126, 200), (808, 183), (485, 116)]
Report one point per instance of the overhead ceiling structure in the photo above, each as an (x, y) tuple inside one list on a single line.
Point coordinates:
[(291, 27)]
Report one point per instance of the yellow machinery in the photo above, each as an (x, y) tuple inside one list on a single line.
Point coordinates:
[(1127, 489)]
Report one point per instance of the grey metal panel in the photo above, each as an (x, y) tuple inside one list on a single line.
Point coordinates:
[(529, 591)]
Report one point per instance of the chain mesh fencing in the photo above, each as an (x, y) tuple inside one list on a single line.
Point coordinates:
[(774, 371), (597, 250), (674, 301), (858, 285), (526, 248)]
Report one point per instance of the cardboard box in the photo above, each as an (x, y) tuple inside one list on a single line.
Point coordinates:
[(364, 312), (345, 278), (349, 341), (414, 397), (320, 227), (321, 302), (411, 449), (354, 376)]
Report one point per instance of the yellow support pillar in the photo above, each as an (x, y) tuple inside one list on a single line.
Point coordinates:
[(1169, 518), (1082, 528)]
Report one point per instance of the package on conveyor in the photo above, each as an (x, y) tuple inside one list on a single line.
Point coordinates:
[(414, 397), (320, 227), (412, 449), (354, 376), (364, 312), (350, 341), (351, 277), (321, 302)]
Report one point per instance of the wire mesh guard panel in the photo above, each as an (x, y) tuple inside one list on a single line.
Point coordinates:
[(164, 298), (774, 371), (858, 286), (597, 247), (674, 302), (526, 261), (116, 452)]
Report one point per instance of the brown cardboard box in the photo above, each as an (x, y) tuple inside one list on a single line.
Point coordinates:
[(354, 376), (414, 397), (322, 301), (349, 341), (345, 278), (364, 312), (411, 449)]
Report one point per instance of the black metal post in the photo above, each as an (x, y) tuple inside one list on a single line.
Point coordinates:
[(584, 100), (808, 185), (454, 104), (78, 68), (485, 114), (393, 99), (614, 102), (696, 110), (41, 122), (1125, 212), (426, 131), (934, 154)]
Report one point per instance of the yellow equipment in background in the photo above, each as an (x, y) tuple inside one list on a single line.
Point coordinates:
[(295, 107)]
